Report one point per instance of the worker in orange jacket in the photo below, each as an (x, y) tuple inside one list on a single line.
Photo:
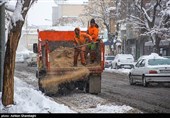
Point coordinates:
[(93, 31), (80, 48)]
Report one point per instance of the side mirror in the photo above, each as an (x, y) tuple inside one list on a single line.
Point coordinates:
[(35, 48), (132, 66)]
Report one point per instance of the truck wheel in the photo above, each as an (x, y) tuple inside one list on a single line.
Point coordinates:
[(81, 85), (116, 66), (37, 74), (111, 66), (131, 80), (71, 86), (40, 85), (145, 84), (87, 87)]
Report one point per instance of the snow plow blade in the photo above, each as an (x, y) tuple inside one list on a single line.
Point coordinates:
[(63, 80)]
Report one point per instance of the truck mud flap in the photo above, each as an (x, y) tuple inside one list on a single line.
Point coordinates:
[(94, 84)]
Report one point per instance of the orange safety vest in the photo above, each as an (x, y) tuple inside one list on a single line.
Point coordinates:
[(93, 32)]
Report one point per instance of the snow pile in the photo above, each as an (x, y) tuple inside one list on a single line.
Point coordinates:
[(17, 13), (151, 56), (22, 49), (29, 100), (168, 8), (110, 109), (121, 71)]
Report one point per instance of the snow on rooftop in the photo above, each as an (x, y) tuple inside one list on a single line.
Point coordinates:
[(17, 13), (153, 56)]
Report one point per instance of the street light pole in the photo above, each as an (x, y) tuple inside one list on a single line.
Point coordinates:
[(2, 41)]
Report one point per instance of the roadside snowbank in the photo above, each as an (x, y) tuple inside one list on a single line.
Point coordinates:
[(29, 100), (121, 71)]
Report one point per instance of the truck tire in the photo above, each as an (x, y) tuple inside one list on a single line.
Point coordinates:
[(131, 81), (112, 66), (40, 86), (145, 84), (116, 66), (87, 87), (37, 74), (81, 85), (93, 85)]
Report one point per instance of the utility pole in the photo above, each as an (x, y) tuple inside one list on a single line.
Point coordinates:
[(2, 41)]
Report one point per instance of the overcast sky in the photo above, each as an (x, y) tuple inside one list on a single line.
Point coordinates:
[(41, 12)]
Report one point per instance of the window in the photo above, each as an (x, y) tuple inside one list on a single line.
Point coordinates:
[(142, 64), (138, 63), (154, 62), (110, 58)]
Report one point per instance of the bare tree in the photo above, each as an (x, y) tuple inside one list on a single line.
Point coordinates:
[(14, 33), (100, 10), (154, 20)]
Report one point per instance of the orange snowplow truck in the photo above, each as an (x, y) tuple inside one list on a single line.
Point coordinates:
[(52, 68)]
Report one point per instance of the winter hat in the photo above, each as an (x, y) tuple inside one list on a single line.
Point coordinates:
[(77, 28), (92, 21)]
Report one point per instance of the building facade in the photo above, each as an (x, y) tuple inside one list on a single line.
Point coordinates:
[(28, 38), (132, 42), (68, 13)]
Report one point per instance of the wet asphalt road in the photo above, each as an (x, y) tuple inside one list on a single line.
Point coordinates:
[(115, 88)]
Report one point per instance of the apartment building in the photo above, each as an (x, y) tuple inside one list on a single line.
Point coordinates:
[(68, 14)]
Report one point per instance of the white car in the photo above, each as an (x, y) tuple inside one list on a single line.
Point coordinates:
[(19, 58), (151, 68), (142, 57), (108, 61), (123, 61), (32, 60)]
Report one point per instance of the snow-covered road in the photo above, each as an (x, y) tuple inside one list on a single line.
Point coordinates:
[(28, 99)]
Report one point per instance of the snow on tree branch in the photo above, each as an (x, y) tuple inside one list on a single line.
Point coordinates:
[(16, 11), (154, 18), (17, 15), (2, 2)]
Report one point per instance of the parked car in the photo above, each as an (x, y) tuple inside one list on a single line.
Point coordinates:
[(108, 61), (166, 56), (142, 57), (123, 61), (32, 60), (152, 68), (19, 58)]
